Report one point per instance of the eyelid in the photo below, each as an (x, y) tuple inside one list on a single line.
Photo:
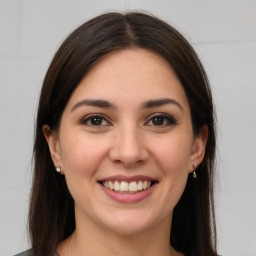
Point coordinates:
[(86, 118), (167, 117), (171, 120)]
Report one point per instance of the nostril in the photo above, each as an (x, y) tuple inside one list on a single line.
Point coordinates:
[(129, 152)]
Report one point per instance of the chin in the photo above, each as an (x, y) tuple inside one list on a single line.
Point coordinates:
[(129, 223), (128, 229)]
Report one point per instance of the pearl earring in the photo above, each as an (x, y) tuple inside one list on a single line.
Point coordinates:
[(194, 172), (58, 169)]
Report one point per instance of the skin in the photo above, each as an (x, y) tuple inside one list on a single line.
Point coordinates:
[(127, 141)]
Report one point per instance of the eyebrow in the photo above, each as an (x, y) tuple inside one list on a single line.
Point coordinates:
[(106, 104), (94, 103), (161, 102)]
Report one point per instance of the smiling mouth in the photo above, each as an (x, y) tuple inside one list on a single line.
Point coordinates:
[(127, 187)]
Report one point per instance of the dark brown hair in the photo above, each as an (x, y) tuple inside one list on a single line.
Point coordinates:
[(51, 215)]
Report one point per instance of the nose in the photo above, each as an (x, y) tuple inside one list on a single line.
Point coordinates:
[(128, 147)]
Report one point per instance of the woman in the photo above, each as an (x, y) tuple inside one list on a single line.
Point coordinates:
[(125, 144)]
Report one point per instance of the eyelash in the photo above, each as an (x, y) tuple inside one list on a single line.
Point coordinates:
[(167, 120), (89, 118)]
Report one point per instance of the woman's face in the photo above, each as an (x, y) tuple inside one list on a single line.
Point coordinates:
[(126, 144)]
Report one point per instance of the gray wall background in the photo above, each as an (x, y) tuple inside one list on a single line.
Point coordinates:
[(223, 33)]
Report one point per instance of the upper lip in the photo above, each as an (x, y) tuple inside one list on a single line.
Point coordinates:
[(128, 178)]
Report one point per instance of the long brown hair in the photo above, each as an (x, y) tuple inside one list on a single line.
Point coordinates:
[(51, 215)]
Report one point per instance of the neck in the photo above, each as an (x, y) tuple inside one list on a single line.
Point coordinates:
[(90, 239)]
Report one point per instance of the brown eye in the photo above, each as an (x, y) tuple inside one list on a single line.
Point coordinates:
[(158, 121), (95, 120), (161, 120)]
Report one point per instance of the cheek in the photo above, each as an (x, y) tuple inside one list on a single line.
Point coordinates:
[(81, 154), (173, 155), (173, 158)]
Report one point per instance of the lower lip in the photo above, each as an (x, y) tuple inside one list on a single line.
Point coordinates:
[(129, 198)]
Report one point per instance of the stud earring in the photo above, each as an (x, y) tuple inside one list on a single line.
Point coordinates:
[(58, 169), (194, 172)]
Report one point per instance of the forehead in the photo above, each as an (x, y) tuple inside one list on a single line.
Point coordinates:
[(124, 76)]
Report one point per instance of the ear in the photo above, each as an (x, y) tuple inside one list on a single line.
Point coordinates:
[(198, 148), (53, 143)]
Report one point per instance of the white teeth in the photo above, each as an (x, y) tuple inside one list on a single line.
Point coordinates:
[(105, 184), (111, 185), (116, 186), (133, 186), (145, 184), (140, 186), (124, 186)]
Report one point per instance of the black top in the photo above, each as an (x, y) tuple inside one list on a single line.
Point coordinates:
[(29, 253)]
